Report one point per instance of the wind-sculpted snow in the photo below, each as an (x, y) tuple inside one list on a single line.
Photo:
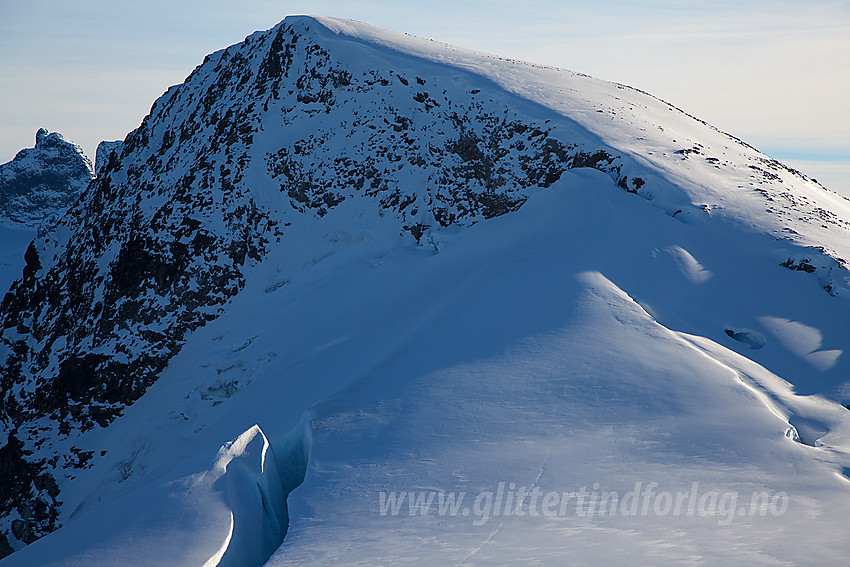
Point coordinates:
[(218, 509), (322, 150), (549, 348), (257, 487)]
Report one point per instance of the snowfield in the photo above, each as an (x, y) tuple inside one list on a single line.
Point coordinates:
[(14, 239), (650, 376)]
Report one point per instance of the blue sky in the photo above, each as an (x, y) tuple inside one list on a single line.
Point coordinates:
[(773, 73)]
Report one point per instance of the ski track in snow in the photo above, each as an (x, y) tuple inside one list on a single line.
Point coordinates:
[(495, 532)]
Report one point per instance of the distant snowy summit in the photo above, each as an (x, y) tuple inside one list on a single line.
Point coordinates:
[(41, 183)]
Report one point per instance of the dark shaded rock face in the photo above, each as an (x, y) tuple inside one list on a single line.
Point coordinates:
[(264, 131), (38, 186), (104, 154)]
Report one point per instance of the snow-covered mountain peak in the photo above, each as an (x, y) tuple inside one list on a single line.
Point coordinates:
[(40, 183), (342, 243)]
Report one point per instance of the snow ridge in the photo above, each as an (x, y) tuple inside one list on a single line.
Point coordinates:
[(269, 140), (280, 128)]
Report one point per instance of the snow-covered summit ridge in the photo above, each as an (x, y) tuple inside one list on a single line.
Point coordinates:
[(718, 172), (268, 141), (40, 183)]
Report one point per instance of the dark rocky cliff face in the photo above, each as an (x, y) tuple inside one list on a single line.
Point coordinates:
[(40, 183), (277, 127)]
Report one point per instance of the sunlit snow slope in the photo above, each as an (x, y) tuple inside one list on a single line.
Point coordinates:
[(574, 288)]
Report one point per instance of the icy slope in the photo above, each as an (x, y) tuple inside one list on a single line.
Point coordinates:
[(514, 352), (312, 232), (14, 240)]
